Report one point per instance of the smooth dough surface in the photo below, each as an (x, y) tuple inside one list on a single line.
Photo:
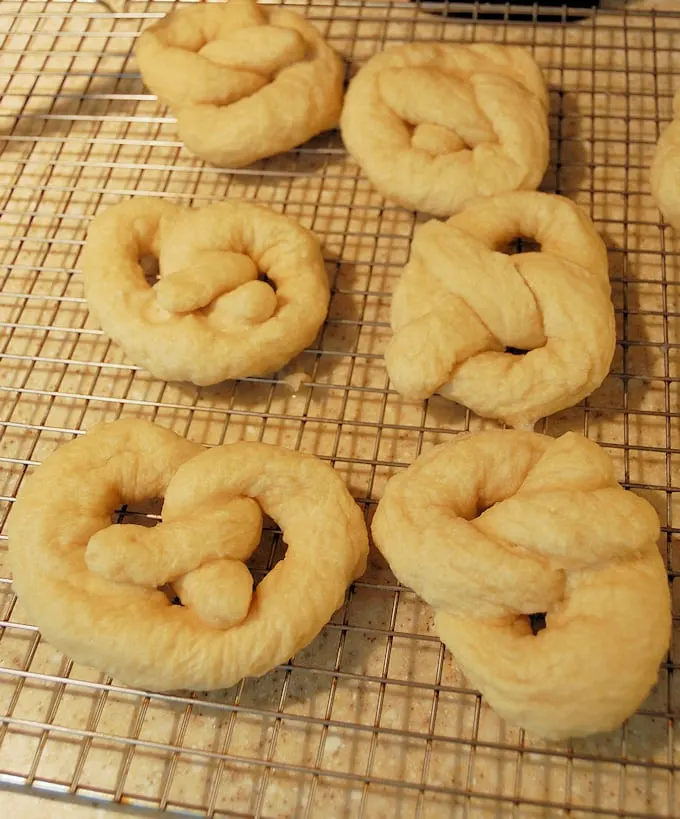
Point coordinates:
[(435, 125), (93, 587), (497, 526), (665, 171), (211, 316), (461, 303), (246, 81)]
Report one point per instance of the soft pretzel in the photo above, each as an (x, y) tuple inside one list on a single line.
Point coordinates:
[(93, 587), (495, 527), (209, 317), (666, 169), (245, 81), (460, 303), (434, 125)]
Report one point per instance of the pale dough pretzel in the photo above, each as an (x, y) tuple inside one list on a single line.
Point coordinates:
[(245, 81), (93, 586), (460, 303), (494, 527), (209, 317), (434, 125), (665, 171)]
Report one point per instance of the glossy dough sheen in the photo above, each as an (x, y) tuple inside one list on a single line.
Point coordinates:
[(209, 317), (435, 125), (666, 169), (503, 524), (245, 81), (92, 586), (460, 303)]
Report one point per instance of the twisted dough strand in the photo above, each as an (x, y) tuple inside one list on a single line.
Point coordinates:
[(433, 126), (500, 525), (93, 587), (245, 81), (209, 317), (460, 303)]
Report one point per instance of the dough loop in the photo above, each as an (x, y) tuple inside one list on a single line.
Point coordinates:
[(210, 316), (245, 81), (93, 587), (433, 126), (665, 170), (498, 526), (460, 304)]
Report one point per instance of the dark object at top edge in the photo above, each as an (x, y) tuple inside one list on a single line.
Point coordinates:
[(499, 10)]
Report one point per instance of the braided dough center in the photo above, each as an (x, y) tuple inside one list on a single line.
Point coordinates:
[(441, 108), (201, 555), (211, 275), (240, 52)]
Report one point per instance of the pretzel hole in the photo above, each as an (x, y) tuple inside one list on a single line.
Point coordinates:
[(263, 277), (537, 622), (270, 551), (149, 264), (519, 244), (169, 592), (515, 351), (147, 513)]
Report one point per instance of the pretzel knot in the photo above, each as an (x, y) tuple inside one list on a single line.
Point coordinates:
[(460, 304), (435, 125), (211, 316), (245, 81), (498, 526), (94, 588), (665, 170)]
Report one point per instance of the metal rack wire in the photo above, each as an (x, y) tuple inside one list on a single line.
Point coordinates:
[(373, 719)]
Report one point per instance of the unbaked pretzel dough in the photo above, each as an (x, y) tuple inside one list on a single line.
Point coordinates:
[(665, 170), (494, 527), (245, 81), (434, 125), (460, 303), (209, 317), (93, 586)]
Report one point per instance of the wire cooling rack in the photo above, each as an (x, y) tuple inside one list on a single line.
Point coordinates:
[(373, 719)]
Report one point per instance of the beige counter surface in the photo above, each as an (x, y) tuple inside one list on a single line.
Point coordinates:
[(20, 806)]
